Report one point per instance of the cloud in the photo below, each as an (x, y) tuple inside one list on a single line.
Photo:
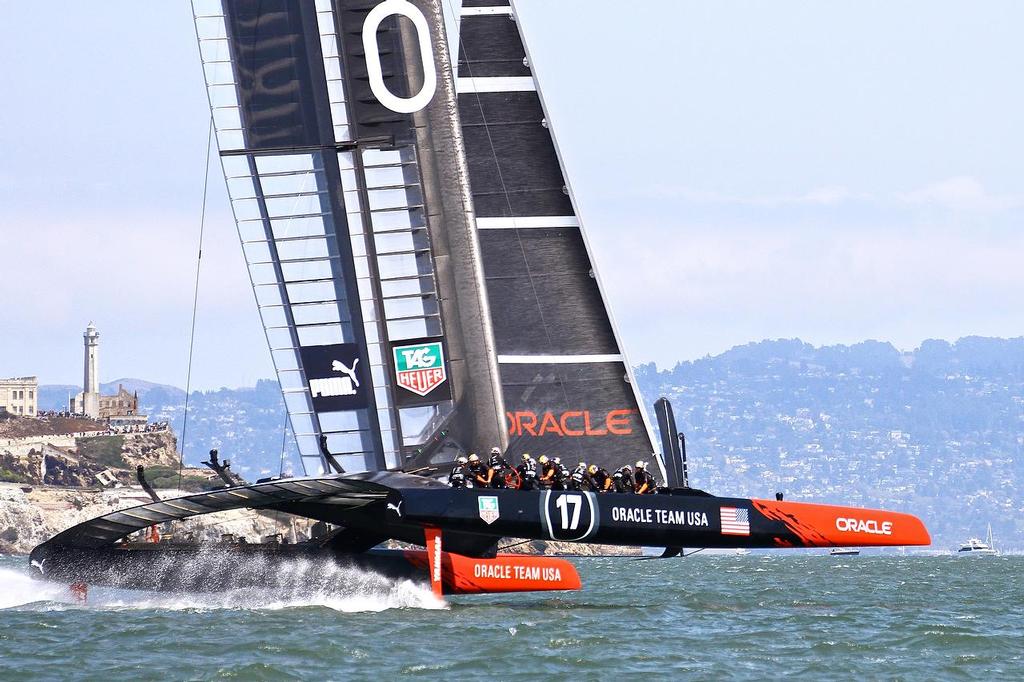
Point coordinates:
[(690, 289), (961, 193)]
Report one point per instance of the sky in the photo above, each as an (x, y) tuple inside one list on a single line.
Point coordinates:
[(830, 171)]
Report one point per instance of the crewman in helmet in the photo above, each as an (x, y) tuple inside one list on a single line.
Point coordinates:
[(580, 478), (561, 475), (645, 481), (496, 465), (459, 477), (602, 479), (622, 479), (477, 472), (547, 472), (528, 472)]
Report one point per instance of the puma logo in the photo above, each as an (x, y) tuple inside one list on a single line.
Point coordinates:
[(39, 565), (397, 508), (339, 366), (336, 386)]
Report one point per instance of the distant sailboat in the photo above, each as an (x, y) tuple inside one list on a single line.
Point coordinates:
[(975, 547)]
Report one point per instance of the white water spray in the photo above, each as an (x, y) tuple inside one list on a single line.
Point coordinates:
[(301, 583)]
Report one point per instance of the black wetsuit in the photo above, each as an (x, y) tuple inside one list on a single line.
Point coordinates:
[(623, 480), (477, 475), (497, 464), (548, 474), (560, 481), (644, 476), (527, 475), (601, 479), (580, 479), (458, 477)]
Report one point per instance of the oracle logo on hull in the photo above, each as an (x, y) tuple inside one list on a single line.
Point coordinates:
[(861, 526), (571, 423)]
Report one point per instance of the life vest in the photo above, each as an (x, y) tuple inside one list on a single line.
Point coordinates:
[(477, 469), (457, 478), (645, 477), (623, 480)]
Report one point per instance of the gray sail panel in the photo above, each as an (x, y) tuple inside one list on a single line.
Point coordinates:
[(544, 300), (567, 386)]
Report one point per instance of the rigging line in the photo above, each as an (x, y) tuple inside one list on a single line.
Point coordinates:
[(195, 301), (284, 442)]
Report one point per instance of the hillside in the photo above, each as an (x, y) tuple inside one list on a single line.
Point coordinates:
[(938, 432)]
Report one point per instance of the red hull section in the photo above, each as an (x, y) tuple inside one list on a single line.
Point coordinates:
[(822, 525), (504, 573)]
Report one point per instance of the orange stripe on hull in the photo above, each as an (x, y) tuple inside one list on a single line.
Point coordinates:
[(822, 525), (504, 573)]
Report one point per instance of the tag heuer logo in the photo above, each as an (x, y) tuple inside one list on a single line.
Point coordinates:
[(420, 368), (488, 509)]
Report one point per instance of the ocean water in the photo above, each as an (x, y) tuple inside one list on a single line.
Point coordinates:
[(747, 618)]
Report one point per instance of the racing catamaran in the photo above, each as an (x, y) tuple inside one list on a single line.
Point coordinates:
[(427, 290)]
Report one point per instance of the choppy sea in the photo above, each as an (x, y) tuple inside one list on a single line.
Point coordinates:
[(751, 617)]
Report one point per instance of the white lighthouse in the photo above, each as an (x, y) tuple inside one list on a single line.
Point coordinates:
[(91, 378)]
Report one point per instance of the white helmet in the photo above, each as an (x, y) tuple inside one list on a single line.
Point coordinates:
[(474, 458), (557, 460), (461, 460), (526, 456), (495, 451), (640, 464)]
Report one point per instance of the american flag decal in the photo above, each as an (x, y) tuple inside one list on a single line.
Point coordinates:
[(735, 521)]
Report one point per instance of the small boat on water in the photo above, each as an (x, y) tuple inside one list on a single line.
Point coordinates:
[(843, 551), (975, 547)]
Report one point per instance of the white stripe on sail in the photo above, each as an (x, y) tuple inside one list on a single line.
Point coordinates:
[(485, 11), (495, 84), (526, 222), (556, 359)]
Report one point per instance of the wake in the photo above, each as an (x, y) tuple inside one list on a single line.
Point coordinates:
[(301, 584)]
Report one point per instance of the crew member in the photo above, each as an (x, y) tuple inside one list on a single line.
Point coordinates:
[(527, 473), (580, 478), (459, 477), (645, 482), (547, 472), (602, 479), (477, 472), (561, 475), (622, 479), (496, 464)]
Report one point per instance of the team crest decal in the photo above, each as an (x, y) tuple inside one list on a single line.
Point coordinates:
[(488, 508), (420, 368)]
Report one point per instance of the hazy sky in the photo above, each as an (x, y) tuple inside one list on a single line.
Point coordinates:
[(834, 171)]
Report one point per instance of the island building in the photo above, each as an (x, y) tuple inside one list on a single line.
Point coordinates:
[(19, 396), (120, 409)]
